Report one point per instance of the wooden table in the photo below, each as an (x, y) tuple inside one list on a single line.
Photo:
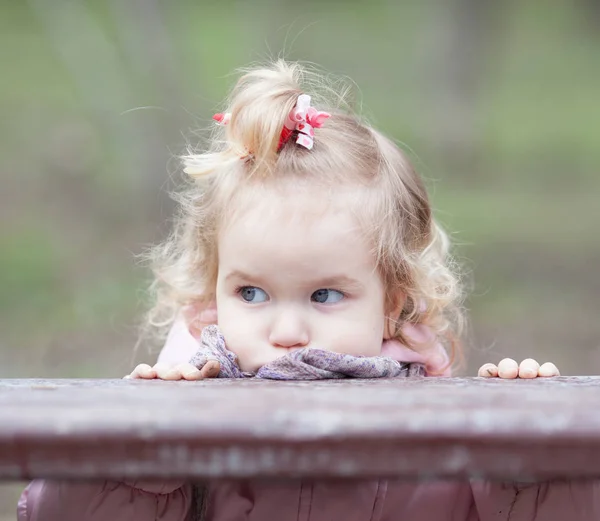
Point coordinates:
[(407, 428)]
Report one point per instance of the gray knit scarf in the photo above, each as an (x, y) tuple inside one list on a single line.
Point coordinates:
[(302, 364)]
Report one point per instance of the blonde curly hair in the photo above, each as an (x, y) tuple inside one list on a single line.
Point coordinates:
[(411, 249)]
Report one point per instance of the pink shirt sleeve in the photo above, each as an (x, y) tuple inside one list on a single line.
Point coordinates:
[(180, 345)]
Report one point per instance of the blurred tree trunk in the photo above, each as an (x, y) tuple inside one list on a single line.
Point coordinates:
[(110, 90), (99, 78), (591, 11), (457, 51), (148, 47)]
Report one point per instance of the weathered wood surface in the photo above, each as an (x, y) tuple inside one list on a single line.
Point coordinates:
[(408, 428)]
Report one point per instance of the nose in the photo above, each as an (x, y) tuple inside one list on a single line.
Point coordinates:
[(289, 329)]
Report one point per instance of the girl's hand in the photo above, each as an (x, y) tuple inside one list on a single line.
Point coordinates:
[(176, 372), (509, 369)]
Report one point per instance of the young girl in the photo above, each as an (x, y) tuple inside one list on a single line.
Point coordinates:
[(308, 238)]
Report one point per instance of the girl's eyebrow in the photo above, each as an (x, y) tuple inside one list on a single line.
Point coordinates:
[(334, 281), (342, 281), (238, 274)]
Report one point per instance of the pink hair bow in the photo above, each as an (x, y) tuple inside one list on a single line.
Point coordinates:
[(303, 118), (222, 118)]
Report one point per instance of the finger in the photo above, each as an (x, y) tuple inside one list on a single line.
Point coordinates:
[(488, 371), (548, 369), (211, 369), (508, 368), (529, 368), (143, 371), (166, 372), (188, 372)]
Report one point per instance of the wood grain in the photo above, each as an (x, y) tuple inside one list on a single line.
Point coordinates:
[(404, 428)]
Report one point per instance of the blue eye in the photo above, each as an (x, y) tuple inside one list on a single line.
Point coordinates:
[(327, 296), (252, 294)]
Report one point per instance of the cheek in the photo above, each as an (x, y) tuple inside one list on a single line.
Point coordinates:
[(233, 324), (371, 330), (234, 340), (362, 337), (240, 330)]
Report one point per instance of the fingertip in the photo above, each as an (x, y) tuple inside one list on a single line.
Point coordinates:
[(529, 361), (488, 371), (143, 371), (188, 372), (508, 368), (509, 374), (211, 369), (134, 375), (548, 369), (147, 374), (529, 368), (528, 374), (192, 375), (164, 372)]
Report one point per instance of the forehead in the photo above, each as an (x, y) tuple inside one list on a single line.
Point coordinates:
[(292, 202), (293, 225)]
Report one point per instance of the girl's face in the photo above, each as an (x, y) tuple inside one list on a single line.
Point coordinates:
[(295, 272)]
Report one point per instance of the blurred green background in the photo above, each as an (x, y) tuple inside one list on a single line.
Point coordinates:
[(498, 103)]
